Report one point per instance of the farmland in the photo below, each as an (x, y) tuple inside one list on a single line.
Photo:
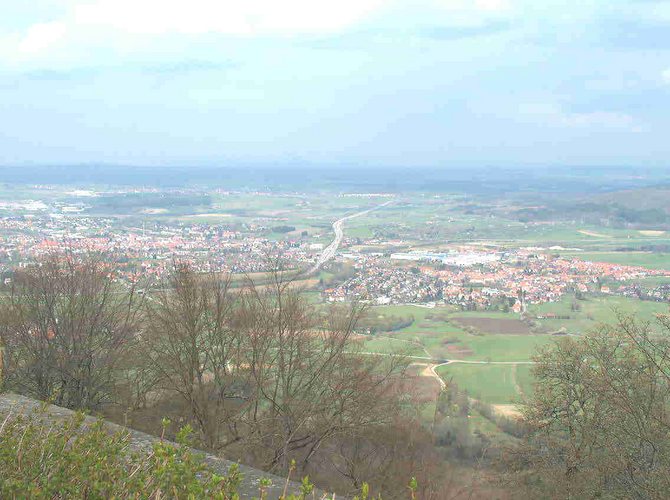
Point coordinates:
[(439, 333), (651, 260), (495, 384)]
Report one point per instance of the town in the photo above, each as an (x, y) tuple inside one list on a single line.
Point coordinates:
[(376, 270), (496, 280)]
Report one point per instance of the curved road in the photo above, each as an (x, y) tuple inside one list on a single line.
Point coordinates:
[(338, 227), (443, 384)]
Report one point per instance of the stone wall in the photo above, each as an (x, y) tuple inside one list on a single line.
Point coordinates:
[(13, 404)]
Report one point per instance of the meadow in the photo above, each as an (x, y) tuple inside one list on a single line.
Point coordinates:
[(439, 333), (494, 384), (649, 260)]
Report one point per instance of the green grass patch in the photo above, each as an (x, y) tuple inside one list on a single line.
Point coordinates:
[(594, 310), (647, 260), (495, 384)]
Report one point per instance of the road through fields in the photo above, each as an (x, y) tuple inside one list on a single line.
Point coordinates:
[(338, 227)]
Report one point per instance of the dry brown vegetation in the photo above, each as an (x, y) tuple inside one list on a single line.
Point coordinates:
[(495, 325), (262, 375)]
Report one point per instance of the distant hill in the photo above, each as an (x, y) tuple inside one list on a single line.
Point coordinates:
[(652, 198), (481, 182), (638, 208)]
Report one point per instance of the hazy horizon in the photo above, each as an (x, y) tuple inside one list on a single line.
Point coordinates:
[(482, 181)]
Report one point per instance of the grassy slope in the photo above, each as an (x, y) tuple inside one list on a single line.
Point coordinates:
[(495, 384)]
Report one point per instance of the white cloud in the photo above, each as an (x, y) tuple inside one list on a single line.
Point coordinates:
[(41, 36), (236, 17), (475, 5), (102, 23), (652, 12), (87, 27), (665, 76)]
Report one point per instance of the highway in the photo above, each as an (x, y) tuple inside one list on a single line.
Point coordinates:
[(338, 227)]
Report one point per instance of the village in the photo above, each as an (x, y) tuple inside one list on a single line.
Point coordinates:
[(467, 276), (148, 250), (473, 280)]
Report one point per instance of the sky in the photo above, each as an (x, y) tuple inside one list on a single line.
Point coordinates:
[(346, 82)]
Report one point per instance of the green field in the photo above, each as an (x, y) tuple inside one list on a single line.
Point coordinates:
[(643, 259), (470, 347), (495, 384), (437, 332), (594, 310), (386, 345), (444, 338)]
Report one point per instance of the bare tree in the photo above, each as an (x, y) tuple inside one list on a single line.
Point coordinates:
[(66, 323), (264, 373), (388, 456), (194, 350), (600, 416), (311, 379), (137, 379)]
